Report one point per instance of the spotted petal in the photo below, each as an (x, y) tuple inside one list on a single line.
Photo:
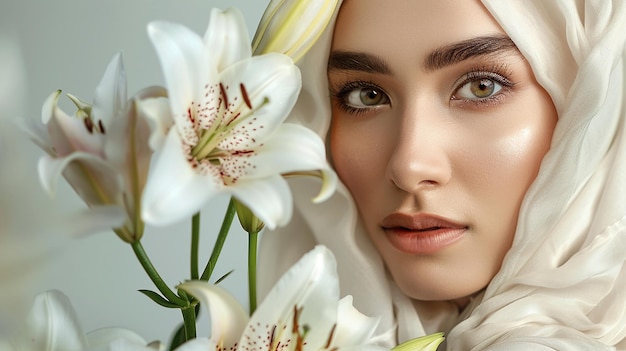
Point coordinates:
[(174, 190), (293, 149), (303, 307), (310, 287), (271, 83)]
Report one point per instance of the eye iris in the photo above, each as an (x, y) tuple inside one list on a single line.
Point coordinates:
[(370, 97), (482, 88)]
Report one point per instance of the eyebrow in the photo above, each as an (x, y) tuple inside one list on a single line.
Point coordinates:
[(357, 61), (458, 52), (441, 57)]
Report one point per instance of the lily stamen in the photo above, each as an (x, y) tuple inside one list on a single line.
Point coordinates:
[(88, 124), (228, 136), (209, 137), (244, 94)]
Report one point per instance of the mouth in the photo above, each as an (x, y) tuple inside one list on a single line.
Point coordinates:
[(421, 233)]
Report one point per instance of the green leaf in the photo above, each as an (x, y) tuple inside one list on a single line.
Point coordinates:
[(159, 299), (178, 338), (223, 277)]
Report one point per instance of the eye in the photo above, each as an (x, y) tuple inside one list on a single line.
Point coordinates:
[(364, 97), (478, 89), (481, 86)]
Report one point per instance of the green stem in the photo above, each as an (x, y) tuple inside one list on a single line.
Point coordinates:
[(252, 249), (219, 242), (189, 320), (154, 275), (195, 242)]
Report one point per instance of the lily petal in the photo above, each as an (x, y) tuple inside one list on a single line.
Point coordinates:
[(121, 345), (110, 95), (311, 284), (52, 325), (81, 169), (68, 134), (268, 198), (157, 113), (272, 85), (102, 151), (95, 220), (187, 65), (353, 327), (228, 318), (38, 134), (128, 135), (294, 149), (102, 338), (127, 148), (227, 35), (198, 344), (174, 190)]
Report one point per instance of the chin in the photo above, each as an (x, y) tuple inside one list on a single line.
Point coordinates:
[(439, 287)]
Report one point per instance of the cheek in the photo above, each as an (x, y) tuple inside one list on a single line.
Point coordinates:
[(505, 164), (507, 148), (358, 163), (520, 152)]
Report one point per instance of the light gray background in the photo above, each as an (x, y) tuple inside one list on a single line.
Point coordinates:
[(66, 44)]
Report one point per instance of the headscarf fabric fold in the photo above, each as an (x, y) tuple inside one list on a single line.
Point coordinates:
[(562, 285)]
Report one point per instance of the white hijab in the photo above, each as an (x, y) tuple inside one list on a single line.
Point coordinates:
[(562, 286)]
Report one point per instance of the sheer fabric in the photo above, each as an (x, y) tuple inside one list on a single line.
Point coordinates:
[(562, 286)]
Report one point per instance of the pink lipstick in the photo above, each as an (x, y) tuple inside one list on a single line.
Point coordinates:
[(421, 233)]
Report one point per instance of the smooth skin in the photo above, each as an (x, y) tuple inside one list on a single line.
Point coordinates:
[(435, 114)]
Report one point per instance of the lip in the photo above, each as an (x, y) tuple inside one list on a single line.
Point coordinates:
[(421, 233)]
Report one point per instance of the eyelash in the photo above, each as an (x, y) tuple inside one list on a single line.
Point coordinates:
[(341, 96), (497, 74)]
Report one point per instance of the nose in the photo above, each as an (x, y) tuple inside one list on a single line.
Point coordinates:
[(420, 159)]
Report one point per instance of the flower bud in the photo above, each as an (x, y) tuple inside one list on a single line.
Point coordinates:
[(291, 27), (249, 221), (425, 343)]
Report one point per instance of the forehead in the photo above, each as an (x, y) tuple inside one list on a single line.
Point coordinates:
[(392, 27)]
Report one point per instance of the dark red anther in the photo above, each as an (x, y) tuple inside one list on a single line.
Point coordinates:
[(246, 98), (88, 124), (223, 93)]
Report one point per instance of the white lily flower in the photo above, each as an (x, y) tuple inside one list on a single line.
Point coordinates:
[(292, 27), (223, 131), (302, 312), (53, 325), (102, 152)]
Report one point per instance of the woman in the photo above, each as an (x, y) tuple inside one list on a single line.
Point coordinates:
[(483, 155)]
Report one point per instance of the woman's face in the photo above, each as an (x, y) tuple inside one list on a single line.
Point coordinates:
[(438, 130)]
